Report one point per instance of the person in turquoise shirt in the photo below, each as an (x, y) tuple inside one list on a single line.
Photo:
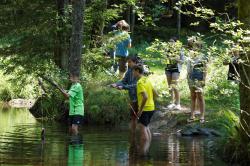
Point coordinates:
[(76, 107), (121, 50)]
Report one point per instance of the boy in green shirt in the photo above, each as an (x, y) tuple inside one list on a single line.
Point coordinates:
[(76, 107), (145, 96)]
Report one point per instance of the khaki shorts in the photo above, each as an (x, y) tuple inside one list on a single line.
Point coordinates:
[(122, 64)]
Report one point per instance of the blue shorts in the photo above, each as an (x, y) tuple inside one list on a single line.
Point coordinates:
[(197, 74)]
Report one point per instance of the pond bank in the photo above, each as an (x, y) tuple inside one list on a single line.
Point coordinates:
[(173, 121)]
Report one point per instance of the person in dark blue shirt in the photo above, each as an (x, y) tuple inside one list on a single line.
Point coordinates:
[(129, 83)]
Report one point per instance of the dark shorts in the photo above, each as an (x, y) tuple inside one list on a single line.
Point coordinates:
[(197, 75), (122, 64), (134, 105), (170, 69), (146, 117), (76, 120)]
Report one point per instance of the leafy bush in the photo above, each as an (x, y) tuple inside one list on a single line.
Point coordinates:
[(6, 94), (104, 105), (236, 149)]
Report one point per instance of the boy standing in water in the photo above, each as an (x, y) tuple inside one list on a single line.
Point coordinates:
[(129, 83), (145, 96), (76, 107)]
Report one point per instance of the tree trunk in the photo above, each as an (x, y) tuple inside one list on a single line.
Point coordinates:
[(244, 10), (132, 20), (75, 58), (128, 14), (179, 22), (98, 24), (61, 42)]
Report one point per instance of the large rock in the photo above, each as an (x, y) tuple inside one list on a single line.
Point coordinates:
[(199, 131)]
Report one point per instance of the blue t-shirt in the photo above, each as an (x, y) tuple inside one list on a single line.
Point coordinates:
[(122, 47), (129, 82)]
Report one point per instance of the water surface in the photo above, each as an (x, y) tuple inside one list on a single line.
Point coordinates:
[(20, 144)]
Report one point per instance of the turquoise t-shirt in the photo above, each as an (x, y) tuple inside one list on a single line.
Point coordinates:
[(122, 47), (76, 106)]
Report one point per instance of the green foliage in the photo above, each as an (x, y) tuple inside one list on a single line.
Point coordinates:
[(5, 94), (103, 104), (113, 38), (104, 107), (95, 61), (237, 148)]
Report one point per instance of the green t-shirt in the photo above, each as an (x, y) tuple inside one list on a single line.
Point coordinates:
[(76, 100)]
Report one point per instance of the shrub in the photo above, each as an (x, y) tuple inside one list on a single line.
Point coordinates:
[(6, 94)]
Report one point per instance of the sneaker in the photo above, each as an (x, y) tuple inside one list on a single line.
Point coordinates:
[(171, 106), (197, 112), (177, 107)]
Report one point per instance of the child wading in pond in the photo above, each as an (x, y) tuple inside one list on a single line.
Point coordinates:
[(172, 70), (76, 107), (145, 96), (129, 83), (196, 67)]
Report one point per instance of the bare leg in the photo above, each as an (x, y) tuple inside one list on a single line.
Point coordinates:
[(133, 121), (133, 126), (201, 101), (70, 130), (197, 106), (169, 80), (144, 139), (121, 74), (176, 92), (177, 96), (74, 129), (149, 134), (193, 101), (122, 67)]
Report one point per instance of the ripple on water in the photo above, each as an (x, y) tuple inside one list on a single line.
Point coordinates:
[(20, 144)]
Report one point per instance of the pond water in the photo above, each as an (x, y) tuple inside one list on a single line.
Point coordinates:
[(20, 144)]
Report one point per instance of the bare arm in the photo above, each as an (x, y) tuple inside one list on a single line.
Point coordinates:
[(144, 100), (65, 94), (129, 45), (155, 93)]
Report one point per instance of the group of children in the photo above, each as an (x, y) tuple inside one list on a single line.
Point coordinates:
[(142, 94), (141, 91)]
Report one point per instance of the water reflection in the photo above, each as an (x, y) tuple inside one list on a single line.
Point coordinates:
[(180, 149), (76, 151), (20, 144)]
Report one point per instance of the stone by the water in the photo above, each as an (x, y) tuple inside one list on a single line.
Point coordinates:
[(197, 131)]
